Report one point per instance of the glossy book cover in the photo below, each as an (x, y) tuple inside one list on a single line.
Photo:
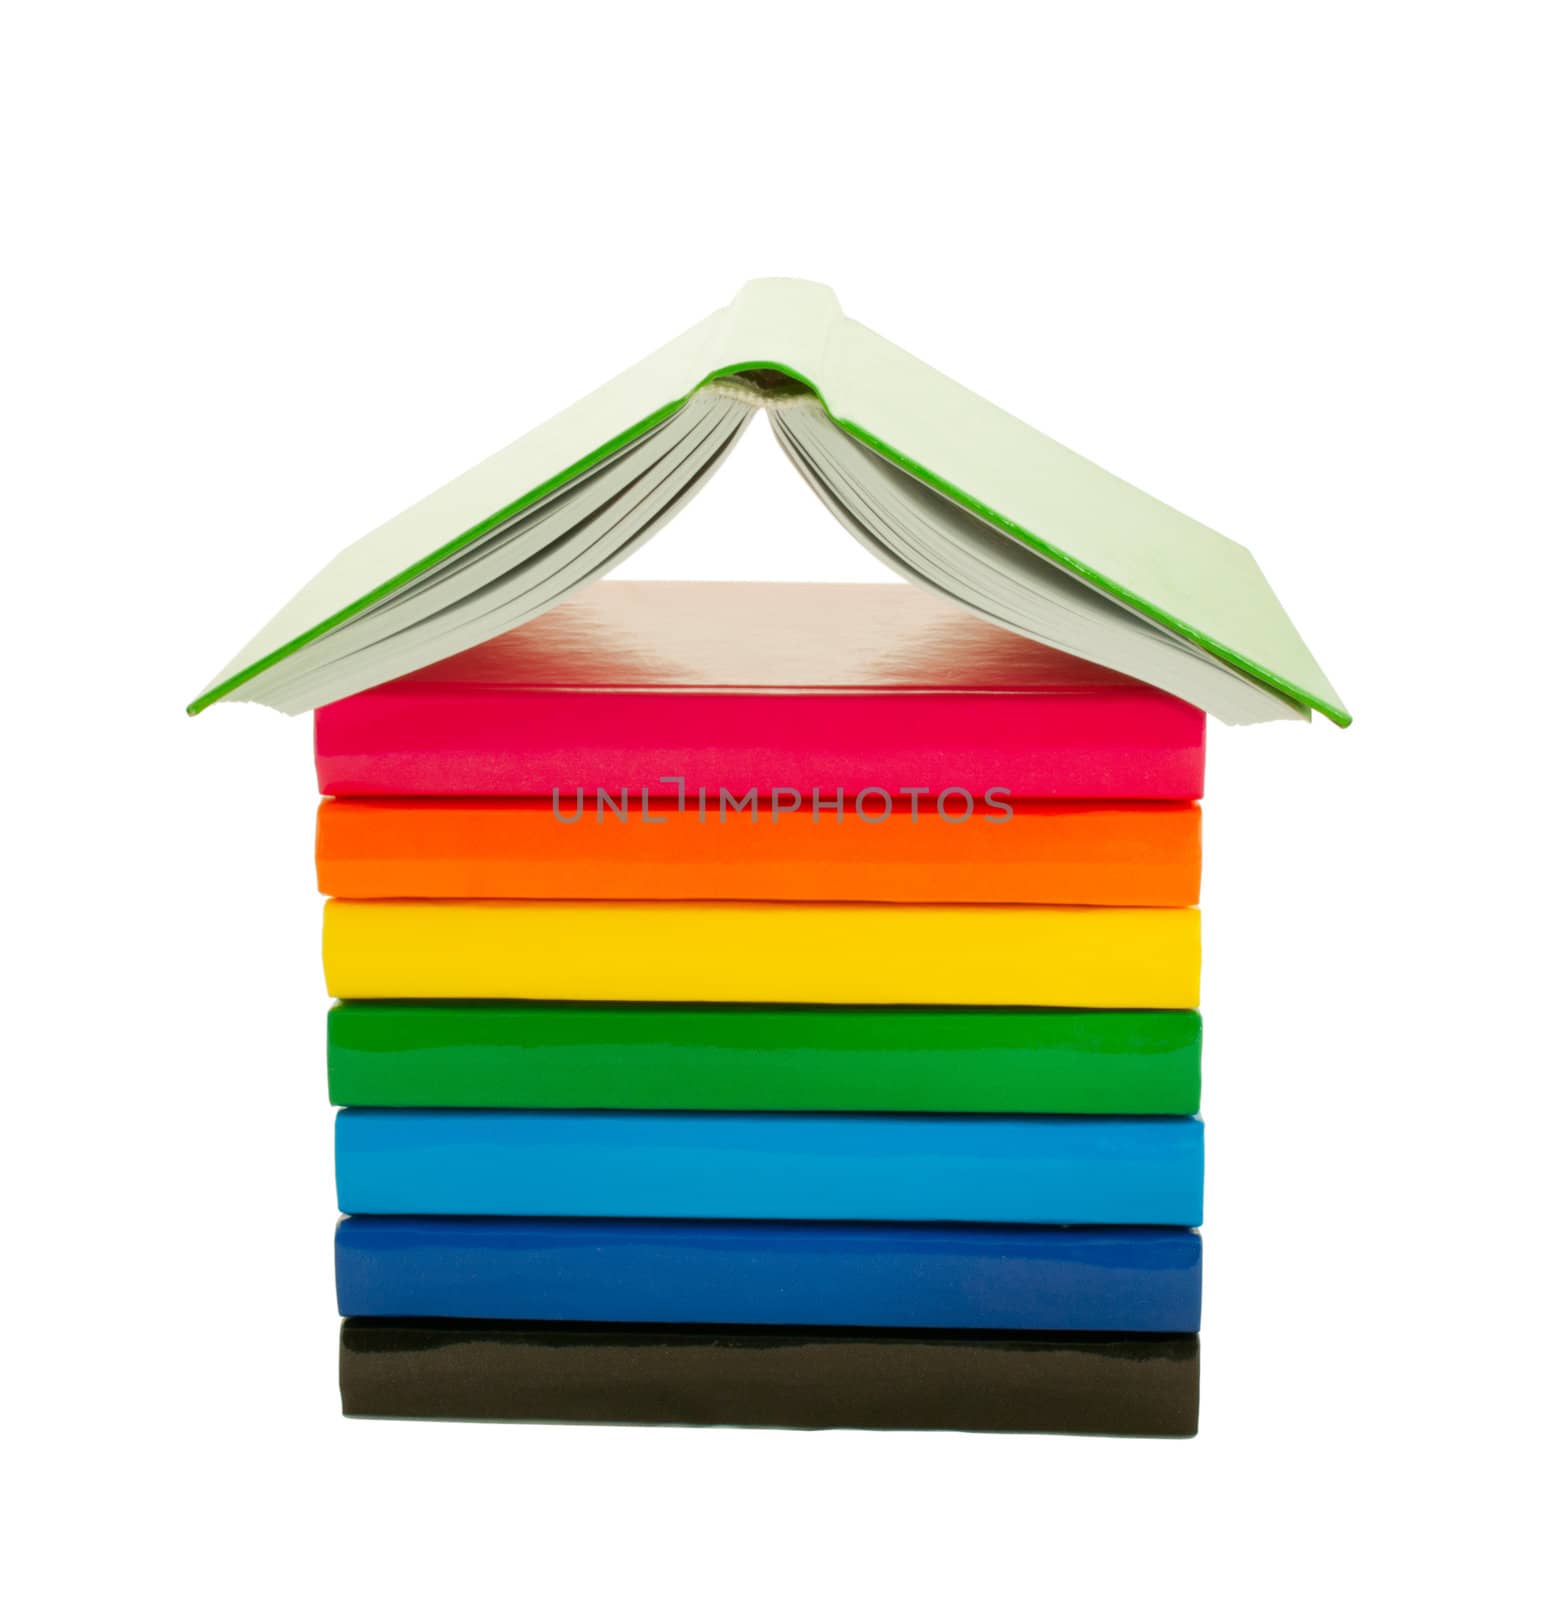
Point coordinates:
[(780, 1165), (1140, 1385), (615, 845), (925, 1275), (769, 952), (762, 1058)]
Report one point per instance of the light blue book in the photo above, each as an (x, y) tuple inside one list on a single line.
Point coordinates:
[(793, 1166)]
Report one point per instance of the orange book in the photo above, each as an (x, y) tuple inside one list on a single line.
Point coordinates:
[(616, 846)]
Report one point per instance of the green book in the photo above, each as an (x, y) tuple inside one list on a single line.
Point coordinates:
[(945, 489), (764, 1058)]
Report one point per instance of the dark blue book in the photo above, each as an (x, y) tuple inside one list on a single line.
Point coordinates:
[(841, 1274)]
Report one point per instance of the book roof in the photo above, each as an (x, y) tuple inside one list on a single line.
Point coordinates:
[(1162, 566)]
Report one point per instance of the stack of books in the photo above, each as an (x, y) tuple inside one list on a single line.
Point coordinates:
[(770, 1003), (766, 1003)]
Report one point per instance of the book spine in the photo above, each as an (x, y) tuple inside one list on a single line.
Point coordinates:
[(764, 1058), (763, 952), (1057, 1170), (1138, 1280), (618, 845), (431, 740), (1135, 1385)]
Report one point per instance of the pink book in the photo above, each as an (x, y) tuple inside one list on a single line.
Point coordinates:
[(672, 688)]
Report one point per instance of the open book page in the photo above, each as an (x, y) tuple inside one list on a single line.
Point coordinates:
[(519, 571), (933, 542)]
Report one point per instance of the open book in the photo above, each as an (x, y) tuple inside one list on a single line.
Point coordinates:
[(945, 489)]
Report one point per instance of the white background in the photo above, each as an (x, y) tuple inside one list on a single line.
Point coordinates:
[(276, 271)]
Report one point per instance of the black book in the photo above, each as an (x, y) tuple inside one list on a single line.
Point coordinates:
[(1134, 1384)]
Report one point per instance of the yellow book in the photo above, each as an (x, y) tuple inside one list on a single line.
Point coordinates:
[(777, 953)]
